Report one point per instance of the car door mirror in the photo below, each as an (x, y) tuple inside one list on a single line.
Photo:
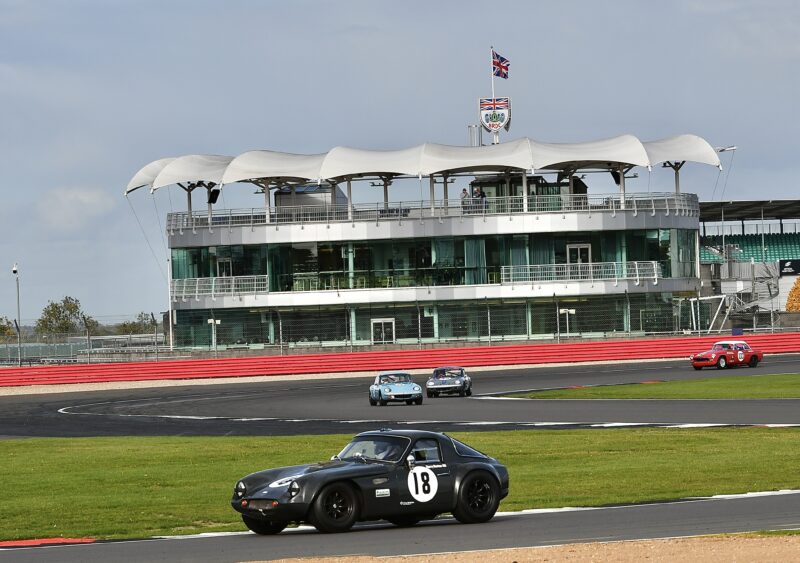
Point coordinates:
[(411, 462)]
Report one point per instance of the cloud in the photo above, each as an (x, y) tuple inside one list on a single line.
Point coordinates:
[(68, 210)]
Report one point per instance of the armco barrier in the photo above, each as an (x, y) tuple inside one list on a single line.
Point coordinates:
[(385, 360)]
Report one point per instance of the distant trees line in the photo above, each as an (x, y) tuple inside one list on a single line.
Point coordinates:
[(67, 316)]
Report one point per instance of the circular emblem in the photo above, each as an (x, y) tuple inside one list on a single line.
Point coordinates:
[(422, 484), (740, 355)]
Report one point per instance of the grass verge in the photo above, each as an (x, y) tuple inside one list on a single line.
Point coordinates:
[(783, 386), (136, 487)]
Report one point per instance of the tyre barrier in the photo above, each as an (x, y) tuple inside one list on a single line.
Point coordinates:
[(524, 354)]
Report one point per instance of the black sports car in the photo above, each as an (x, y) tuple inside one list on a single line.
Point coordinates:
[(402, 476)]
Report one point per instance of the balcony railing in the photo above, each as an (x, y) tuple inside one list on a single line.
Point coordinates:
[(666, 203), (239, 285), (439, 276), (596, 271)]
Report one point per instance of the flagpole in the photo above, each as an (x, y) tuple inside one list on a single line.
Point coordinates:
[(491, 67), (495, 134)]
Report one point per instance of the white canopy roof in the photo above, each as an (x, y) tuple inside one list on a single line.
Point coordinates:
[(422, 160)]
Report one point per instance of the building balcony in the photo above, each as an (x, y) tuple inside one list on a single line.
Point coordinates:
[(680, 204), (307, 282)]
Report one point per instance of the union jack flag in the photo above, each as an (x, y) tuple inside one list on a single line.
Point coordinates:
[(494, 103), (500, 65)]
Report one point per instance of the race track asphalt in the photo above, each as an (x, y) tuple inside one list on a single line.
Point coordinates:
[(340, 406)]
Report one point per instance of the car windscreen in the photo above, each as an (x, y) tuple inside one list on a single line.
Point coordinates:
[(465, 450), (445, 374), (396, 378), (385, 448)]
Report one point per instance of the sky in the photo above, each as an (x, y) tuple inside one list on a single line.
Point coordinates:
[(91, 91)]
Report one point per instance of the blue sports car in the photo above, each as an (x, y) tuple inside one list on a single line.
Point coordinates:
[(394, 387)]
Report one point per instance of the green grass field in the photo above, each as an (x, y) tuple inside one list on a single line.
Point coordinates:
[(137, 487), (784, 386)]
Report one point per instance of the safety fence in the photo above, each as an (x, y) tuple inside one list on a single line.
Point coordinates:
[(386, 360), (665, 203)]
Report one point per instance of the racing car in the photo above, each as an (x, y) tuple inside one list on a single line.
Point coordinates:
[(727, 353), (394, 387), (401, 476), (449, 380)]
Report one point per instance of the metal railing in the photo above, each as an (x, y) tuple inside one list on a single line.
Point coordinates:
[(596, 271), (228, 285), (320, 281), (666, 203)]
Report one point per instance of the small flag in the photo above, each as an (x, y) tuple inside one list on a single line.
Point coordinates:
[(500, 65), (493, 103)]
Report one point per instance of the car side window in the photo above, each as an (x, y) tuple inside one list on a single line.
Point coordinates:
[(426, 450)]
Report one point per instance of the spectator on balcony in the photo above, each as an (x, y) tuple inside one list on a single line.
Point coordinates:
[(464, 200)]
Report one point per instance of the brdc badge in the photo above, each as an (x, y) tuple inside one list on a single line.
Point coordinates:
[(495, 113)]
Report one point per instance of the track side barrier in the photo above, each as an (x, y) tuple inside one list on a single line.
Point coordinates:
[(385, 360)]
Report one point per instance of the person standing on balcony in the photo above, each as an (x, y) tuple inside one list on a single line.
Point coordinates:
[(464, 200), (483, 200)]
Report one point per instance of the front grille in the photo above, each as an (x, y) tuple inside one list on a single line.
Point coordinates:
[(701, 359), (260, 504), (401, 396)]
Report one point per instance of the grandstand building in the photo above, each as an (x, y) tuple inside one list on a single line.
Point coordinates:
[(529, 252), (746, 254)]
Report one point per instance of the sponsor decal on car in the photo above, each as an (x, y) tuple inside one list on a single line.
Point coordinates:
[(382, 493)]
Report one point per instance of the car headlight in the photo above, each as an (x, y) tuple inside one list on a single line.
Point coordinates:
[(240, 489), (431, 383), (294, 489), (387, 389), (417, 388)]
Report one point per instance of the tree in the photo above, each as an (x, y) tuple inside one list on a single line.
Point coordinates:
[(7, 327), (141, 325), (793, 300), (65, 316)]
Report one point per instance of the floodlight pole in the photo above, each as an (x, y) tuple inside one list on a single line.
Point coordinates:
[(15, 270)]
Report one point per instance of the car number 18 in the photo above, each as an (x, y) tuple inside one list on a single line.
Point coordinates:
[(422, 484)]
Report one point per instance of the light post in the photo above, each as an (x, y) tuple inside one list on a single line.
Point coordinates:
[(214, 323), (15, 271), (155, 333)]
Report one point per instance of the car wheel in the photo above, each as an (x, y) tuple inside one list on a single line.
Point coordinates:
[(263, 527), (335, 509), (753, 362), (404, 521), (372, 402), (698, 368), (418, 400), (722, 363), (478, 498), (461, 392), (469, 391)]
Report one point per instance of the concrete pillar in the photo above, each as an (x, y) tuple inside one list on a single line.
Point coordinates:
[(433, 200), (349, 199), (524, 191)]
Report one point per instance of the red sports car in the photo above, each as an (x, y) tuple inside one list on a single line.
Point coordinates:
[(726, 354)]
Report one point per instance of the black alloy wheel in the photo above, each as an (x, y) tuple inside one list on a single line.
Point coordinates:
[(263, 527), (753, 361), (478, 498), (335, 509)]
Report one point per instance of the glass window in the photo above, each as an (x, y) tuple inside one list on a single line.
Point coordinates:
[(426, 450), (465, 450)]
